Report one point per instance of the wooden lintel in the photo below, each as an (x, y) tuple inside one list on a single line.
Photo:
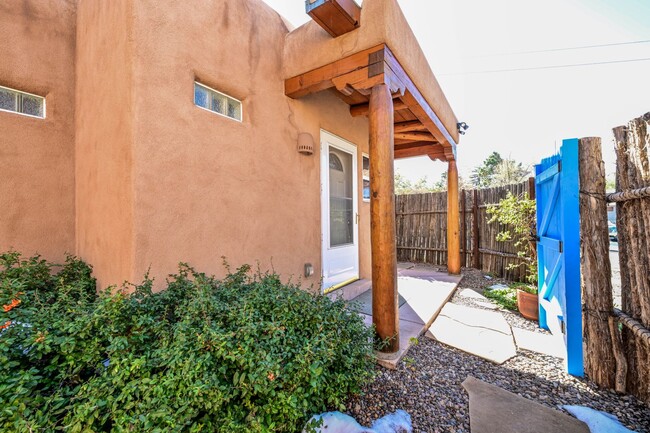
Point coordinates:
[(416, 136), (411, 125), (359, 80), (321, 78), (362, 109)]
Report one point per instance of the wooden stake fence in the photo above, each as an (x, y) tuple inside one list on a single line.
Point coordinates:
[(422, 224), (617, 342), (633, 227)]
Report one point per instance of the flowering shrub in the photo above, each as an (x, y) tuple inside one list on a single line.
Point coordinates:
[(242, 354)]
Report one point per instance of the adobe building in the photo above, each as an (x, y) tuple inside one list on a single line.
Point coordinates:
[(137, 134)]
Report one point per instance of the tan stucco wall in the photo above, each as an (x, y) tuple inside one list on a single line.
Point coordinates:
[(144, 177), (382, 22), (104, 139), (206, 186), (37, 44)]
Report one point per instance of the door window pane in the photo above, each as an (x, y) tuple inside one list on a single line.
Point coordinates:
[(341, 198)]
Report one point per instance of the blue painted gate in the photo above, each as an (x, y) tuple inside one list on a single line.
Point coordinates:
[(558, 250)]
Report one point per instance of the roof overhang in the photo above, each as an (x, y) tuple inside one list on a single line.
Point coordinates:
[(418, 129)]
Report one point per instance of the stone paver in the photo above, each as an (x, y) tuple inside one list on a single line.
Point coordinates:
[(546, 344), (492, 409), (472, 330)]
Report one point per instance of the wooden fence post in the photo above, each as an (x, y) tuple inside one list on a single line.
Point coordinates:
[(463, 230), (531, 188), (600, 363), (475, 251)]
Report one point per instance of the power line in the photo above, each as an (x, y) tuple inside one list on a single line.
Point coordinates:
[(549, 50), (535, 68)]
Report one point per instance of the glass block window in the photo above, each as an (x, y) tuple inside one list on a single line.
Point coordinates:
[(22, 103), (217, 102)]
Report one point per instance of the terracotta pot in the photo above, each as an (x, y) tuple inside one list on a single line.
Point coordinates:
[(527, 305)]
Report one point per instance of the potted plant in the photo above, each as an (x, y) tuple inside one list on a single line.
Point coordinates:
[(527, 302)]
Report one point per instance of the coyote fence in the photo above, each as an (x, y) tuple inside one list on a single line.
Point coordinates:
[(422, 230), (617, 341)]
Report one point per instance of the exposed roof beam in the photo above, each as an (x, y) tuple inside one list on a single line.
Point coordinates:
[(419, 149), (362, 109), (416, 136), (411, 125)]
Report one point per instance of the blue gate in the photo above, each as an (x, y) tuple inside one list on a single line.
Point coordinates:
[(558, 250)]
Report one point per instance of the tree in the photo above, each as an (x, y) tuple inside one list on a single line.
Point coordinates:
[(509, 171), (482, 175), (441, 185), (405, 186)]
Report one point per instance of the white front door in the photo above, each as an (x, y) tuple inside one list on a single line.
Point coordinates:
[(339, 210)]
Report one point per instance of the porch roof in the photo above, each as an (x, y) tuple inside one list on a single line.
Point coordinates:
[(382, 50)]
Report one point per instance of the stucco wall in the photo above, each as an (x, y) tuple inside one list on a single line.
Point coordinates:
[(37, 43), (104, 139), (207, 186)]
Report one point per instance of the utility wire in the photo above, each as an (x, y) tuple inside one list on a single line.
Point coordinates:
[(549, 50), (535, 68)]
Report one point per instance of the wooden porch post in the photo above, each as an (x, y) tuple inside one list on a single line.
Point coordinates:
[(453, 239), (382, 219)]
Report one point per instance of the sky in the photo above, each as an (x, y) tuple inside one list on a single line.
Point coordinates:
[(505, 67)]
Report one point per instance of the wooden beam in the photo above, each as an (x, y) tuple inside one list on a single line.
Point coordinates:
[(385, 314), (336, 17), (412, 125), (362, 109), (416, 136), (418, 148), (320, 79), (453, 232)]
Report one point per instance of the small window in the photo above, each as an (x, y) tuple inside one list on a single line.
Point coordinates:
[(19, 102), (217, 102), (365, 175)]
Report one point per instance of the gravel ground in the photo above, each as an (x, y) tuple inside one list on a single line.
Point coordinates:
[(427, 384)]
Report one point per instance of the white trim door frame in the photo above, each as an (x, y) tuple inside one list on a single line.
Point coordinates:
[(339, 211)]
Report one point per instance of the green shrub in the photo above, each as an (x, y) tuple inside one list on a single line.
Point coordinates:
[(505, 297), (517, 214), (525, 288), (242, 354)]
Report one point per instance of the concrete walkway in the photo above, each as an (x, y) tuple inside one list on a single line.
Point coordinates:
[(423, 292)]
